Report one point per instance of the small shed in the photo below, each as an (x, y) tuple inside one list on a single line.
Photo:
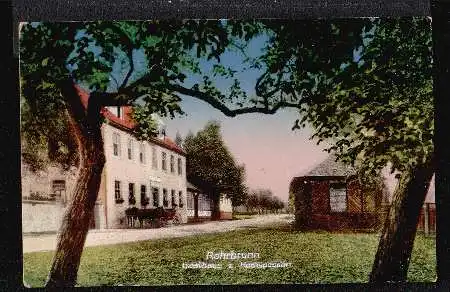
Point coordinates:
[(332, 197), (199, 205)]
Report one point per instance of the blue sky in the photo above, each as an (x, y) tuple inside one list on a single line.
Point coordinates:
[(272, 153)]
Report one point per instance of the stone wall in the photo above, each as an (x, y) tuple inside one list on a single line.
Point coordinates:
[(46, 216), (41, 216)]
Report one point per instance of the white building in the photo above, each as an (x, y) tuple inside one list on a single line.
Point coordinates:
[(142, 174), (198, 201), (139, 174)]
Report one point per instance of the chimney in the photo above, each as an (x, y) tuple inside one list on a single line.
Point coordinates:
[(162, 133)]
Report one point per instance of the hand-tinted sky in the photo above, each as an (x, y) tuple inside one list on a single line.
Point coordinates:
[(272, 153)]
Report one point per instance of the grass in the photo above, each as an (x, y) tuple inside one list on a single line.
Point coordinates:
[(316, 257)]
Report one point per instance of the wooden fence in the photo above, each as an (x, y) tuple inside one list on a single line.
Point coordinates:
[(427, 219)]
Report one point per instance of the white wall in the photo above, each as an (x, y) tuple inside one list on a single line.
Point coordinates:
[(41, 181), (225, 204), (191, 213), (44, 216), (41, 216), (133, 171)]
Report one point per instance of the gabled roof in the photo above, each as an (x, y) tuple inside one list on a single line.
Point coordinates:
[(190, 186), (127, 123), (331, 167)]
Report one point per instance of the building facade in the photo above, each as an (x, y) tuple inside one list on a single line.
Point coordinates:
[(142, 174), (45, 197), (331, 197), (199, 205)]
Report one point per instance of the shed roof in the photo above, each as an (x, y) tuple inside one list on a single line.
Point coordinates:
[(191, 186), (331, 167)]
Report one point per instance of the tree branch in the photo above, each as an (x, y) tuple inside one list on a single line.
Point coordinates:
[(128, 43), (127, 77), (232, 112)]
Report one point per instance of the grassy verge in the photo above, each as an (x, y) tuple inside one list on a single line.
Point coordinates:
[(242, 216), (316, 257)]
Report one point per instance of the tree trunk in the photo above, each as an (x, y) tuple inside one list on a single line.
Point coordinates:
[(441, 45), (85, 127), (396, 242), (195, 206), (215, 214)]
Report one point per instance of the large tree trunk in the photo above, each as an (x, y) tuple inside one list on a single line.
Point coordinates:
[(215, 213), (441, 44), (85, 126), (396, 242)]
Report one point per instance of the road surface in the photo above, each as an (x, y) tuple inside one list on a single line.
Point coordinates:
[(34, 243)]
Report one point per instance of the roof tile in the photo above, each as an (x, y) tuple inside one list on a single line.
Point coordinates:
[(127, 121)]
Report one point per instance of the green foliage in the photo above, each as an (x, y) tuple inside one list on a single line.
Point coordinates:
[(147, 126), (101, 56), (263, 199), (42, 146), (211, 166), (316, 257), (291, 203), (178, 139), (379, 109), (363, 84)]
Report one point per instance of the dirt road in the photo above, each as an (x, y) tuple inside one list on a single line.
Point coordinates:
[(33, 243)]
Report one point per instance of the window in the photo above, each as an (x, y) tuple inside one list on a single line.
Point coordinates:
[(131, 197), (144, 199), (180, 168), (190, 201), (59, 187), (154, 158), (117, 193), (338, 198), (142, 153), (119, 112), (155, 193), (163, 161), (165, 199), (130, 149), (204, 204), (172, 194), (172, 164), (116, 144), (180, 199)]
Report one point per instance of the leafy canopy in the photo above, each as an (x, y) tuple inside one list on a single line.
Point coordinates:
[(211, 166), (364, 84)]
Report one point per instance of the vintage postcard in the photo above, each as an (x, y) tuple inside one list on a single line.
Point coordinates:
[(192, 152)]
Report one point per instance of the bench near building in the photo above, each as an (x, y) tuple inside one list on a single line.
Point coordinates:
[(141, 174)]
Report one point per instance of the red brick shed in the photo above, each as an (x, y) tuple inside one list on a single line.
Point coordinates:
[(331, 197)]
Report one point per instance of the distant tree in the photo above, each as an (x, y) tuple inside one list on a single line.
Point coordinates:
[(291, 202), (252, 202), (178, 139), (277, 204), (211, 166)]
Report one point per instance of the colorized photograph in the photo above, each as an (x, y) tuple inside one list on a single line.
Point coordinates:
[(217, 152)]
